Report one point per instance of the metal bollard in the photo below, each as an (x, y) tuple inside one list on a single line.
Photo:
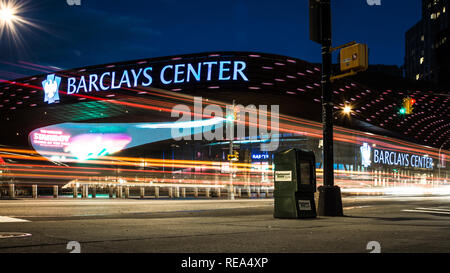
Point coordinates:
[(177, 192), (207, 192), (170, 192), (156, 192), (12, 191), (183, 192), (218, 192), (196, 192), (34, 189), (75, 192), (239, 192), (127, 192), (55, 191), (249, 192), (94, 192), (119, 192), (258, 192), (84, 191), (267, 192), (111, 192), (142, 189)]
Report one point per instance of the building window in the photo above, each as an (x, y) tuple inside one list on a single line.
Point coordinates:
[(422, 38), (417, 77), (422, 59)]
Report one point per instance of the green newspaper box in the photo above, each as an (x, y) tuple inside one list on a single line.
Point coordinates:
[(295, 184)]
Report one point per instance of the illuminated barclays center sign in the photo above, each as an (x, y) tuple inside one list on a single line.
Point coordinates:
[(180, 73), (392, 158)]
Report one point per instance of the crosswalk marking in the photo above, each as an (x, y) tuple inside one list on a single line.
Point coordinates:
[(5, 219), (357, 207), (438, 210)]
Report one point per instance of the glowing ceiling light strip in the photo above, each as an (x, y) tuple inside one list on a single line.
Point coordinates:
[(184, 124)]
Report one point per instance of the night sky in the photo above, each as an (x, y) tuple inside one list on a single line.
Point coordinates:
[(104, 31)]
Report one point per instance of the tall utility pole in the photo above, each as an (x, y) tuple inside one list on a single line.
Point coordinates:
[(330, 202), (327, 96)]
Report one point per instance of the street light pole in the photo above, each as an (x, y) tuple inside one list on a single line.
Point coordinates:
[(330, 201), (327, 97)]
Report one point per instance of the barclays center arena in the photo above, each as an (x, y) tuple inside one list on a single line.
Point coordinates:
[(207, 126)]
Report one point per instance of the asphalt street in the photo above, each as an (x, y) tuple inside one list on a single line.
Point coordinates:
[(385, 224)]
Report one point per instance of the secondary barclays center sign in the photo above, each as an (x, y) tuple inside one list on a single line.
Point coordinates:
[(393, 158), (170, 74)]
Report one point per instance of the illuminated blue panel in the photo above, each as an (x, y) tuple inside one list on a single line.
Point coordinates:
[(82, 141)]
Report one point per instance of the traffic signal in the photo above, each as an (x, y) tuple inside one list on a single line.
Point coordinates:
[(232, 114), (354, 57), (231, 117), (234, 156), (319, 20), (315, 33), (407, 106)]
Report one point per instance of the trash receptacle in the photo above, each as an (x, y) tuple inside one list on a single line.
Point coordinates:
[(295, 184)]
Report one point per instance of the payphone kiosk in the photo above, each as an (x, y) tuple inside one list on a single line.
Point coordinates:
[(295, 184)]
